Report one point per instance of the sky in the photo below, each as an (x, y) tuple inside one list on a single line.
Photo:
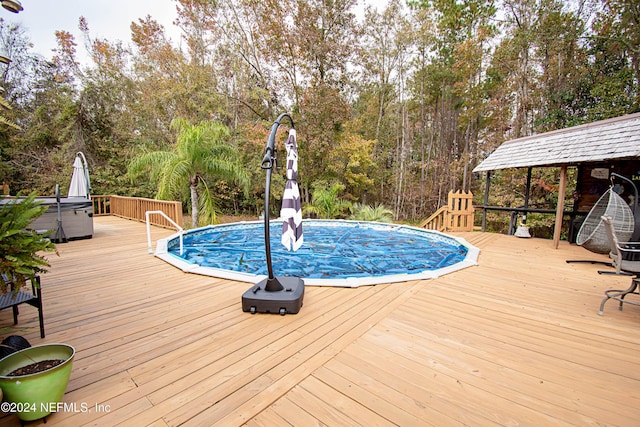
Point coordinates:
[(107, 19)]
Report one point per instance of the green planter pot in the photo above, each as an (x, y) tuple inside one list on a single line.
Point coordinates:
[(35, 396)]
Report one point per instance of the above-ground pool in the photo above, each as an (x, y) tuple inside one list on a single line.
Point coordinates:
[(334, 253)]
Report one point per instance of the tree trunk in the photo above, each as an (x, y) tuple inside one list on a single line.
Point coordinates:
[(423, 130), (195, 212)]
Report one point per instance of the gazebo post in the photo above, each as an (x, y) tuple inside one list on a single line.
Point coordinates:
[(527, 192), (486, 201), (557, 229)]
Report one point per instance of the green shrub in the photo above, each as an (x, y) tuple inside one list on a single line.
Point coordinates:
[(20, 247), (377, 213)]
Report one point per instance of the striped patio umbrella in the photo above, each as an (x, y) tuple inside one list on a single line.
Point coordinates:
[(291, 212)]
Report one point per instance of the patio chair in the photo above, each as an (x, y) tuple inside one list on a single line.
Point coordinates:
[(626, 260), (592, 234), (33, 297)]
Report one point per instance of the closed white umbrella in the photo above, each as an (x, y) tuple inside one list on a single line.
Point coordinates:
[(80, 184), (291, 212)]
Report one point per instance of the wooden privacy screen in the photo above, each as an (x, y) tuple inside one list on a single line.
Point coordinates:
[(456, 216)]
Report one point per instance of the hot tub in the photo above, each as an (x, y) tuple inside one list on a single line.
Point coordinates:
[(76, 214)]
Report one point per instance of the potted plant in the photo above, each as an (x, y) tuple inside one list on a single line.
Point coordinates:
[(32, 380), (21, 247)]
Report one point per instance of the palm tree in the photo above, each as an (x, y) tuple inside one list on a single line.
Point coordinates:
[(200, 153), (3, 119), (378, 213), (325, 202)]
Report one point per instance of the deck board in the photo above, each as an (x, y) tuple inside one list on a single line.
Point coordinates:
[(514, 340)]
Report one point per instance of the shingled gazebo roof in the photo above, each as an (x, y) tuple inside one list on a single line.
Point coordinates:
[(617, 138)]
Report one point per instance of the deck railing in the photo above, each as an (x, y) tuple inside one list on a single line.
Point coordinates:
[(135, 208), (101, 205), (456, 216)]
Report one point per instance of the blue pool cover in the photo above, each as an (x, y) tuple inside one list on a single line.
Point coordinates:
[(332, 250)]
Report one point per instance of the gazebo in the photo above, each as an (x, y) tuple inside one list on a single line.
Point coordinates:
[(596, 149)]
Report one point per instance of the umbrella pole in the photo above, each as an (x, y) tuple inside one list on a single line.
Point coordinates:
[(268, 162), (85, 172), (283, 294)]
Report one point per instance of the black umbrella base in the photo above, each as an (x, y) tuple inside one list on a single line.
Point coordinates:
[(282, 295)]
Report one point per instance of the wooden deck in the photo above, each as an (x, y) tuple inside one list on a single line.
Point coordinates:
[(514, 341)]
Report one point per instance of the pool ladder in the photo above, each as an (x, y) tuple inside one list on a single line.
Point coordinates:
[(180, 230)]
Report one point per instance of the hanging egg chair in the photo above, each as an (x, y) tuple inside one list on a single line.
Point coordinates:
[(592, 234)]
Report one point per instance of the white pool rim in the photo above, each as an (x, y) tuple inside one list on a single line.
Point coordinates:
[(471, 259)]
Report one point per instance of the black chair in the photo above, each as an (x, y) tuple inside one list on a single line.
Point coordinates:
[(626, 260), (33, 297)]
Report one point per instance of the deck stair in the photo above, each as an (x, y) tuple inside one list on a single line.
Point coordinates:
[(457, 215)]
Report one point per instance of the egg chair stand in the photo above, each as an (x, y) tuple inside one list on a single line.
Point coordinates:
[(280, 294), (593, 232), (626, 260)]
